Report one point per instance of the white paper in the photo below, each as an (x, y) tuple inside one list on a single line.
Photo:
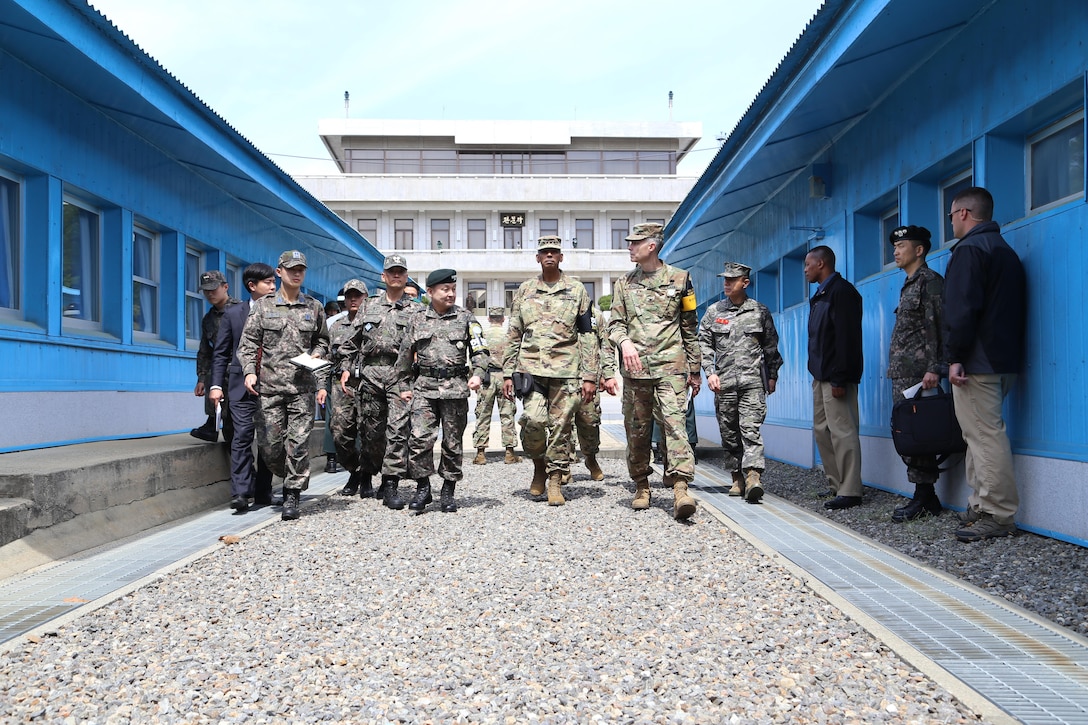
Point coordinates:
[(305, 360), (912, 390)]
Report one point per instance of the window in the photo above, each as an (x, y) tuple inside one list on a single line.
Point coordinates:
[(620, 163), (656, 221), (440, 233), (236, 287), (476, 163), (889, 220), (542, 163), (583, 233), (620, 229), (1056, 163), (477, 296), (795, 289), (145, 281), (583, 162), (477, 234), (509, 290), (439, 161), (657, 162), (402, 161), (766, 287), (10, 243), (511, 238), (369, 229), (82, 264), (949, 188), (549, 228), (365, 161), (194, 298), (591, 288), (402, 234)]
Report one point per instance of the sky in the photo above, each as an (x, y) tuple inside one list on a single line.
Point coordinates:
[(273, 68)]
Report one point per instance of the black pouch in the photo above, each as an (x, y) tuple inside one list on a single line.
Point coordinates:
[(927, 426), (523, 384)]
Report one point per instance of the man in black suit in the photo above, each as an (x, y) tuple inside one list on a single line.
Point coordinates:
[(259, 279)]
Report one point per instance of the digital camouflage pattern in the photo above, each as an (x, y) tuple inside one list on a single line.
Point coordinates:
[(736, 341), (917, 345), (359, 420), (428, 416), (488, 395), (209, 331), (656, 312)]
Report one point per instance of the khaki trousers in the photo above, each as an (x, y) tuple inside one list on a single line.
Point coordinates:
[(835, 427), (989, 455)]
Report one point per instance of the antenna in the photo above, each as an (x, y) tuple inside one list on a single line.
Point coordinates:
[(347, 103)]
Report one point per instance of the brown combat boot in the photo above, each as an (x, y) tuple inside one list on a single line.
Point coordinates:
[(753, 488), (540, 477), (595, 471), (555, 492), (683, 505), (510, 456), (738, 484), (480, 459), (641, 501)]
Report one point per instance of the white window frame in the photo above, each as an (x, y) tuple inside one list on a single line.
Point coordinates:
[(14, 311), (887, 251), (149, 282), (72, 323), (1029, 149), (192, 295), (945, 200)]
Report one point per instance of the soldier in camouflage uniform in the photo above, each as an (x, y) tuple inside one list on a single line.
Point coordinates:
[(741, 360), (916, 353), (447, 346), (550, 336), (369, 357), (353, 425), (490, 394), (214, 286), (282, 326), (587, 417), (654, 326)]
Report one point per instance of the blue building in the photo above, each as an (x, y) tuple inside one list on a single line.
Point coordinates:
[(881, 112), (118, 187)]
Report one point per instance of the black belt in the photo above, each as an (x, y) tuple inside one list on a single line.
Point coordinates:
[(456, 371), (494, 369), (379, 360)]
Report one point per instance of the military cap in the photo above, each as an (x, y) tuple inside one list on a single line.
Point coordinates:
[(496, 312), (736, 269), (212, 279), (548, 242), (645, 231), (441, 276), (355, 284), (292, 258), (395, 260), (913, 233)]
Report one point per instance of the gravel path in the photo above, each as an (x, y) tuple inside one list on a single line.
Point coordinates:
[(1046, 576), (509, 611)]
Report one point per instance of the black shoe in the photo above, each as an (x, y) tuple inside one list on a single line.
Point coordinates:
[(422, 497), (659, 455), (330, 465), (843, 502), (918, 508), (827, 493), (352, 486), (290, 505), (449, 506), (239, 504), (392, 499), (380, 493), (205, 434), (366, 486)]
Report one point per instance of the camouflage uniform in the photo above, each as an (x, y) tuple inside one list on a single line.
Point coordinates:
[(587, 416), (546, 339), (209, 333), (358, 420), (917, 348), (448, 349), (736, 342), (656, 312), (488, 395), (275, 332)]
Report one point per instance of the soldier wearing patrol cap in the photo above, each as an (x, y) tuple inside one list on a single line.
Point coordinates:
[(442, 358), (654, 326), (216, 290), (741, 360), (367, 368), (490, 394), (551, 338)]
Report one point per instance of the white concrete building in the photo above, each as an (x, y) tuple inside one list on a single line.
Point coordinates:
[(475, 195)]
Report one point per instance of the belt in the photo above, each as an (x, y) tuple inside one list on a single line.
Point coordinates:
[(378, 360), (494, 369), (455, 371)]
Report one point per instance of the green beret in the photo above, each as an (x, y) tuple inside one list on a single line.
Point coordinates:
[(441, 276)]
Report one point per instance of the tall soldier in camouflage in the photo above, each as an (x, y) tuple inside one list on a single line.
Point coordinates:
[(916, 353), (654, 325), (357, 431), (370, 356), (741, 360), (447, 346), (216, 290), (282, 326), (550, 336), (587, 417), (490, 394)]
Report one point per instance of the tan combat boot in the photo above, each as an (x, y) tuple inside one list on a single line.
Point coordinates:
[(555, 492), (754, 489), (510, 456), (641, 501), (480, 459), (738, 484), (683, 505), (595, 471), (564, 479), (540, 477)]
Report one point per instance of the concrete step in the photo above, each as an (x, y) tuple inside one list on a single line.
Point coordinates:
[(15, 514)]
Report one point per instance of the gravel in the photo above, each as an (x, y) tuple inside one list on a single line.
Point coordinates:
[(1046, 576), (509, 611)]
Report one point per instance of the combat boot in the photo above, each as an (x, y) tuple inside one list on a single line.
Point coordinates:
[(331, 465), (555, 492), (565, 478), (366, 485), (392, 499), (290, 504), (540, 477), (423, 495), (683, 505), (511, 457), (753, 488), (352, 486), (480, 458), (380, 493), (595, 471), (641, 501), (925, 503), (449, 506), (738, 484)]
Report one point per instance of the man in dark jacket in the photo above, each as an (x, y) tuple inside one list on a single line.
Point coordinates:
[(984, 335), (835, 362)]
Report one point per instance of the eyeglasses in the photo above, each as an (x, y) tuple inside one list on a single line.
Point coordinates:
[(954, 212)]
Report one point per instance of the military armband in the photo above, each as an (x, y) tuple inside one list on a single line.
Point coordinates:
[(584, 321), (687, 302), (476, 338)]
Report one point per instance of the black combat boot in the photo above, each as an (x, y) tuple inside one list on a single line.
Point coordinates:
[(352, 486), (391, 499), (380, 495), (925, 503), (366, 485), (423, 495), (449, 506), (330, 463), (290, 504)]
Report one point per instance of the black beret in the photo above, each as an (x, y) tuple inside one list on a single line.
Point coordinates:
[(913, 233), (441, 276)]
